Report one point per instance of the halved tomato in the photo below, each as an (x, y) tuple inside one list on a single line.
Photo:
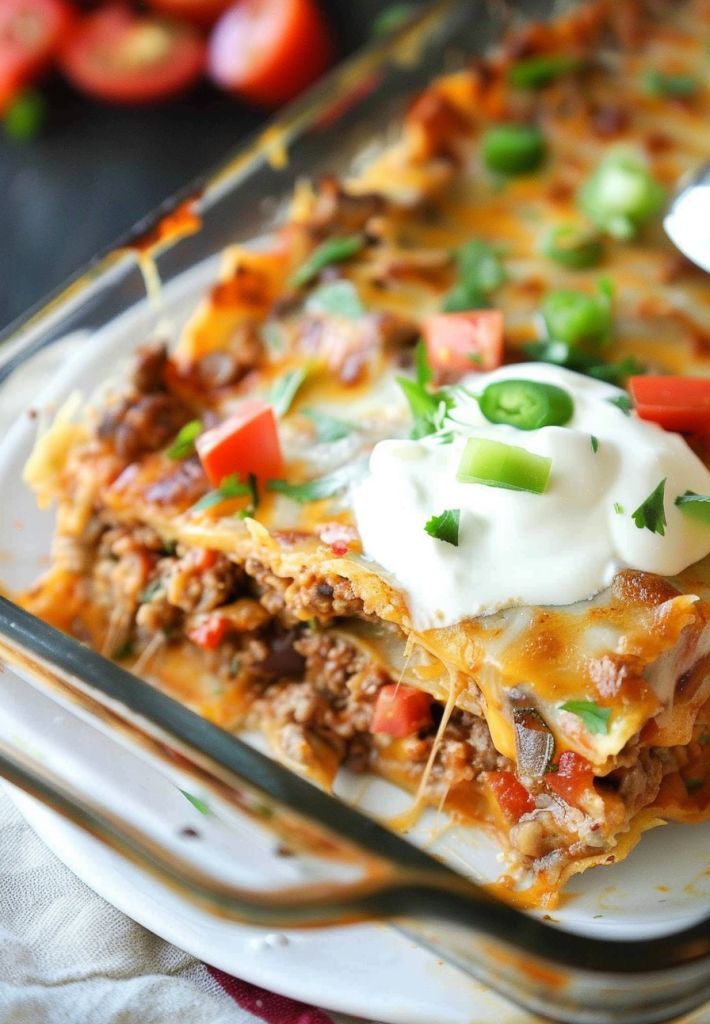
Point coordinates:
[(267, 51), (201, 12), (30, 32), (122, 57)]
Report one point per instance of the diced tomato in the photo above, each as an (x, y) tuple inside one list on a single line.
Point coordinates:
[(209, 631), (267, 51), (119, 56), (202, 12), (573, 778), (247, 442), (30, 32), (401, 710), (512, 796), (676, 403), (458, 343)]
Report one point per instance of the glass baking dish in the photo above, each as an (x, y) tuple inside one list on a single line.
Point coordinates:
[(347, 868)]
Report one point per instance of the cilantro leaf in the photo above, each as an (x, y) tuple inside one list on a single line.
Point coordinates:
[(622, 402), (335, 250), (336, 298), (184, 444), (196, 802), (479, 272), (423, 372), (559, 353), (445, 526), (230, 487), (285, 388), (595, 443), (320, 488), (429, 408), (651, 515), (595, 718), (328, 428), (695, 506), (253, 490)]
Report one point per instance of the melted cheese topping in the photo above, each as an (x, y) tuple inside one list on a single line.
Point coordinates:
[(515, 547)]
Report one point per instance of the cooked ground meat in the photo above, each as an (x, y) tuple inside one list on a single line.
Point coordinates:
[(180, 487), (143, 423), (151, 361), (199, 580), (309, 596)]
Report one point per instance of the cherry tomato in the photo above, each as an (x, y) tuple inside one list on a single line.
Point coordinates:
[(512, 796), (401, 710), (676, 403), (458, 343), (247, 442), (209, 631), (123, 57), (30, 32), (201, 12), (267, 51), (573, 778)]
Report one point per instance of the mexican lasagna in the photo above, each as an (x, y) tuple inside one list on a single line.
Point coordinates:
[(421, 488)]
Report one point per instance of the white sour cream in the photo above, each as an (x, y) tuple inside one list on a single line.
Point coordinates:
[(518, 548)]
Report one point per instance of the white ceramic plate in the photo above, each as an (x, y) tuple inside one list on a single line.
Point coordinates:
[(367, 970)]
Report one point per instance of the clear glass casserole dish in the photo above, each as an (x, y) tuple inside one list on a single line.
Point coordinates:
[(349, 870)]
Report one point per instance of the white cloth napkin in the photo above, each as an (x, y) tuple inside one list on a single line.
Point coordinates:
[(68, 957)]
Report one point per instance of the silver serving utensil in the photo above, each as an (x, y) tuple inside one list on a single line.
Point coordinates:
[(687, 221)]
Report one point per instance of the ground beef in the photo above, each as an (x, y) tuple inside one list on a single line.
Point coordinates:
[(200, 581), (143, 423), (149, 369), (309, 596), (180, 487)]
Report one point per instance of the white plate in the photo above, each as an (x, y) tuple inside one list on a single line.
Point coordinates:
[(367, 970)]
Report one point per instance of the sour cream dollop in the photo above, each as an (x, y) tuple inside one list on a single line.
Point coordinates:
[(517, 548)]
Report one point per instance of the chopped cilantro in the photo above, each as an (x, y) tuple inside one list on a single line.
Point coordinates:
[(561, 354), (657, 83), (538, 71), (336, 298), (622, 402), (150, 591), (429, 409), (445, 526), (695, 506), (328, 428), (595, 443), (316, 490), (335, 250), (24, 118), (285, 388), (231, 487), (198, 804), (479, 272), (184, 444), (422, 369), (595, 718), (650, 515), (251, 508), (619, 509)]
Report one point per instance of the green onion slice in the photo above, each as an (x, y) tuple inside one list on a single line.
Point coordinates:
[(335, 250), (695, 506), (526, 404), (577, 318), (537, 72), (621, 195), (573, 248), (503, 465), (513, 148)]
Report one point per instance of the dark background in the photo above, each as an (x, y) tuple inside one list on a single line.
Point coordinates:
[(95, 170)]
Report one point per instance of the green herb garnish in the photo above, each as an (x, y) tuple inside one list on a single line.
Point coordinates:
[(595, 443), (595, 718), (578, 319), (695, 506), (25, 116), (230, 487), (285, 388), (619, 509), (196, 802), (429, 409), (560, 354), (184, 445), (150, 591), (253, 490), (479, 272), (657, 83), (623, 403), (316, 490), (336, 298), (328, 428), (335, 250), (651, 515), (537, 72), (573, 248), (513, 148), (445, 526)]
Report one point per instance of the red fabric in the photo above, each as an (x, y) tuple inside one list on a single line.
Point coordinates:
[(272, 1008)]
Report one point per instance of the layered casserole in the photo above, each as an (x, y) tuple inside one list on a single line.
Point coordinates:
[(387, 497)]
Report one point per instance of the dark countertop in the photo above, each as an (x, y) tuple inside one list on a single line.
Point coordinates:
[(95, 170)]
